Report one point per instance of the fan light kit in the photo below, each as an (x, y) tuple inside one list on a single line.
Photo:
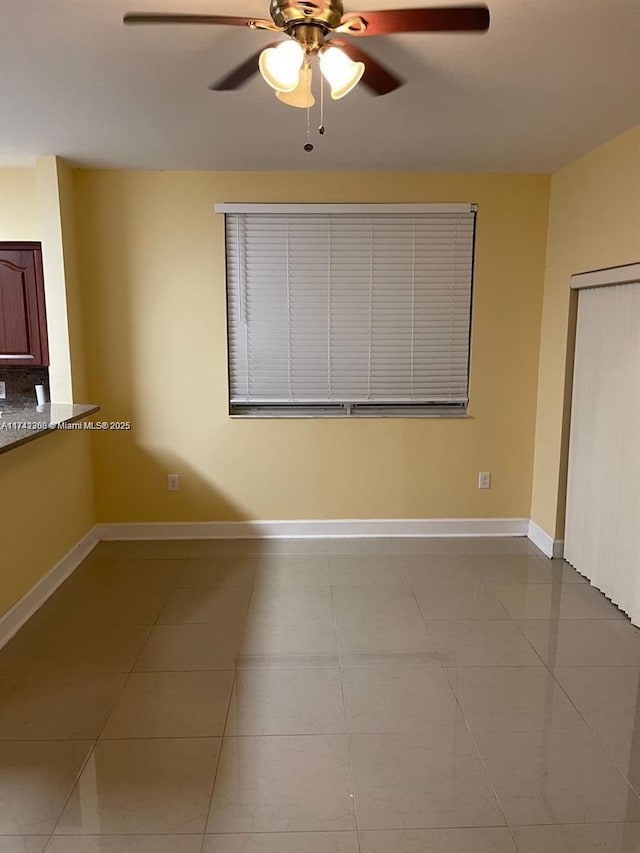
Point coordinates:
[(311, 28)]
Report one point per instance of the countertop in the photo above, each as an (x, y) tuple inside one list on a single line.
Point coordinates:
[(20, 423)]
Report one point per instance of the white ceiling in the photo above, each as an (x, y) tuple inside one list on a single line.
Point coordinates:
[(551, 79)]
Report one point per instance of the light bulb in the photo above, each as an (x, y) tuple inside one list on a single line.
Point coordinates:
[(301, 95), (341, 73), (280, 66)]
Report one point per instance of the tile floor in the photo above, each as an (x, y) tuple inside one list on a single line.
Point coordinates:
[(322, 696)]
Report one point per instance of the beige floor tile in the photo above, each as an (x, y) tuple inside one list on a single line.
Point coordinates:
[(200, 606), (478, 643), (171, 705), (218, 572), (288, 661), (496, 699), (185, 613), (293, 570), (499, 546), (513, 568), (293, 546), (609, 699), (278, 784), (623, 746), (108, 574), (384, 660), (19, 654), (284, 603), (594, 838), (495, 840), (36, 777), (65, 707), (428, 545), (170, 549), (283, 842), (466, 545), (125, 844), (205, 548), (23, 843), (565, 573), (227, 547), (556, 601), (555, 777), (431, 779), (583, 642), (116, 592), (610, 694), (397, 699), (172, 648), (366, 570), (143, 787), (102, 606), (286, 702), (274, 639), (528, 570), (378, 619), (422, 569), (178, 548), (89, 648), (358, 545), (458, 599)]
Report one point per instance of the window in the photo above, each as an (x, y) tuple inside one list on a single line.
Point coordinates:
[(348, 309)]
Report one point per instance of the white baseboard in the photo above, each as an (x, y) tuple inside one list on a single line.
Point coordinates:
[(547, 544), (22, 610), (376, 527), (16, 616)]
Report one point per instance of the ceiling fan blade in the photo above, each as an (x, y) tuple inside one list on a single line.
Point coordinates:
[(436, 19), (376, 77), (240, 74), (162, 18)]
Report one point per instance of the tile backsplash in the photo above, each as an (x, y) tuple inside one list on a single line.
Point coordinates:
[(20, 383)]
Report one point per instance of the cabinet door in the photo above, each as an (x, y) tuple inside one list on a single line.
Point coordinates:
[(23, 328)]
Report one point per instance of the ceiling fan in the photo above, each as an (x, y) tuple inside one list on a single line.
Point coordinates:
[(314, 29)]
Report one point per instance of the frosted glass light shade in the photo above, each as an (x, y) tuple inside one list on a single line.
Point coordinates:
[(301, 95), (280, 66), (341, 73)]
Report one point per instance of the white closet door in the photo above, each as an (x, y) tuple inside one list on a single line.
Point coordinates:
[(602, 537)]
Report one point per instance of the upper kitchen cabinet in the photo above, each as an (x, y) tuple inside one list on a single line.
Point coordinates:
[(23, 324)]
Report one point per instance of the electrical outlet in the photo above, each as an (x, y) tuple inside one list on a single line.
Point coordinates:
[(173, 482), (3, 391), (484, 480)]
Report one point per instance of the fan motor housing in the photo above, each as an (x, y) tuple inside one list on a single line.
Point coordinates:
[(288, 13)]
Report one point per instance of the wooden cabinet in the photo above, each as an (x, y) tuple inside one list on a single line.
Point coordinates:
[(23, 325)]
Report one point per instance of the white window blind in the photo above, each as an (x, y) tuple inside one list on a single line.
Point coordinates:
[(348, 309)]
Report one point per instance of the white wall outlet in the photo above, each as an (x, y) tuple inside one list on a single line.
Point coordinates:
[(484, 480), (3, 391), (173, 482)]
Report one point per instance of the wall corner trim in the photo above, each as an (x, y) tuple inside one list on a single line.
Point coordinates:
[(550, 547), (32, 601)]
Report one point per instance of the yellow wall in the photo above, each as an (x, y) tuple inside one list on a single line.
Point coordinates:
[(152, 263), (46, 507), (594, 222), (19, 214), (46, 487)]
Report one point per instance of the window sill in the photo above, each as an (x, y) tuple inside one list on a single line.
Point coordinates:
[(336, 414)]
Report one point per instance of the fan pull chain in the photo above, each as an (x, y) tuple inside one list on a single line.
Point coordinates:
[(308, 144), (321, 128)]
